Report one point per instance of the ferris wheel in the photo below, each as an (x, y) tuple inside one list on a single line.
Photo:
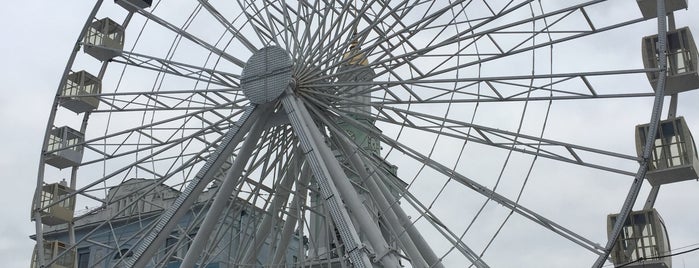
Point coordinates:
[(365, 133)]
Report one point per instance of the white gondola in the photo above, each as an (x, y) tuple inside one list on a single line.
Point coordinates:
[(63, 149), (681, 61), (674, 155), (104, 39), (61, 212), (54, 249), (642, 242), (79, 92), (129, 4), (649, 8)]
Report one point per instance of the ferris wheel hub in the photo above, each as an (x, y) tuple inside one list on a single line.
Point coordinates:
[(266, 74)]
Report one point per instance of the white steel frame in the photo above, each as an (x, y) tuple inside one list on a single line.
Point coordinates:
[(295, 136)]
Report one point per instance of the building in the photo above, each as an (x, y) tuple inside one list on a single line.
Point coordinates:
[(110, 244)]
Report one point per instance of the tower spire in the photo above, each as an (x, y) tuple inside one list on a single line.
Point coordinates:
[(353, 56)]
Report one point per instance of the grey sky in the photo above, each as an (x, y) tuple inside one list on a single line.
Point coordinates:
[(37, 40), (38, 37)]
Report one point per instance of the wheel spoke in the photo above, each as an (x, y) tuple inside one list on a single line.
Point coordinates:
[(205, 75), (191, 37), (355, 133)]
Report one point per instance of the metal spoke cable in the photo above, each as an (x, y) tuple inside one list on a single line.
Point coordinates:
[(527, 213), (441, 128), (531, 166), (461, 152), (229, 25), (642, 259)]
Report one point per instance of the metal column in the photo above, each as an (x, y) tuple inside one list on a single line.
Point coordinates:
[(226, 189), (298, 117), (145, 251)]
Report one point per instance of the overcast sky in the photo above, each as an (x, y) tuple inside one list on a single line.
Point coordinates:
[(37, 38)]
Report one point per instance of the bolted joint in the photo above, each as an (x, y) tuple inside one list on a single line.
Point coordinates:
[(379, 256)]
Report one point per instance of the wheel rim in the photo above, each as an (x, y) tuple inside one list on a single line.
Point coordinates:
[(416, 96)]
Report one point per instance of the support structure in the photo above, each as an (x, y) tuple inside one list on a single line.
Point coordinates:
[(265, 226), (36, 211), (293, 216), (326, 87), (226, 189), (654, 120), (418, 256), (358, 255), (184, 201)]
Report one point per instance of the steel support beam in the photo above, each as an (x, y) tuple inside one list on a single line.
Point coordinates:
[(293, 216), (223, 196), (298, 116), (166, 223), (351, 152), (281, 196), (369, 227), (420, 242), (472, 184)]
